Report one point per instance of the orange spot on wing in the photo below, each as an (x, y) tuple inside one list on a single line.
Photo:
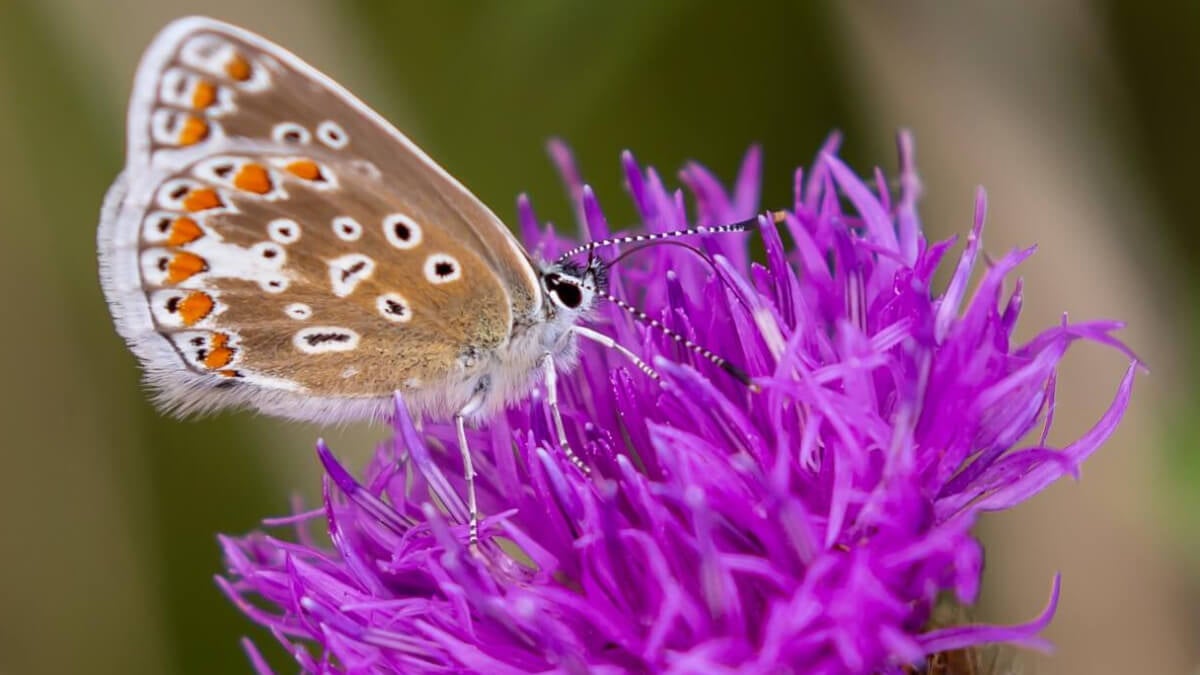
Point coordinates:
[(183, 266), (194, 130), (220, 353), (195, 307), (238, 68), (184, 230), (202, 199), (305, 168), (218, 358), (204, 94), (253, 178)]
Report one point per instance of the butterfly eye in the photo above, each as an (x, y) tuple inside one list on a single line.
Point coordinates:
[(568, 295)]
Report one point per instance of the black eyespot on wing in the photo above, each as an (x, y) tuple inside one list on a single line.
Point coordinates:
[(315, 339), (353, 270), (443, 269), (403, 231)]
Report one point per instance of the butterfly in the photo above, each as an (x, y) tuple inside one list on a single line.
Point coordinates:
[(274, 244)]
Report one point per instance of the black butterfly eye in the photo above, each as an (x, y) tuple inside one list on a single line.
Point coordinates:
[(569, 295)]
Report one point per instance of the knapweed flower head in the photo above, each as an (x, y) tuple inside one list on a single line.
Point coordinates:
[(809, 524)]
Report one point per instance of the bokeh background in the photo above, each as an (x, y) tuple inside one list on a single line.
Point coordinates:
[(1081, 118)]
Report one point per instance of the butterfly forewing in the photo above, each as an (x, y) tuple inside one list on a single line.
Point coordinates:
[(270, 233)]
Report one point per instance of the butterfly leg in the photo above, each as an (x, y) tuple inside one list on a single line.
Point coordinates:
[(556, 414), (468, 471), (610, 343)]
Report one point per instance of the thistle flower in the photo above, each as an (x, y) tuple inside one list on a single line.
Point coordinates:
[(807, 527)]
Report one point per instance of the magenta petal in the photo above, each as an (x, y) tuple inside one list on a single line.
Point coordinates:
[(256, 658), (1022, 635)]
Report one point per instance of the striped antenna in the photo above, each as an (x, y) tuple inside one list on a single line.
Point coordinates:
[(742, 226), (737, 373)]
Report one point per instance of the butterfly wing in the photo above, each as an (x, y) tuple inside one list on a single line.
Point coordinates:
[(272, 242)]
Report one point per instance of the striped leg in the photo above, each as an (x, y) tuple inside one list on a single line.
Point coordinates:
[(552, 398), (469, 468), (613, 344)]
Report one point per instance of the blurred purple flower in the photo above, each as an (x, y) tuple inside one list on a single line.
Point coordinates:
[(807, 528)]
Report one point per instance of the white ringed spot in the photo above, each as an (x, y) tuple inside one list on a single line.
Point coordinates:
[(332, 134), (347, 228), (270, 253), (347, 271), (401, 231), (394, 307), (284, 231), (207, 53), (441, 268), (290, 132), (298, 311), (366, 169), (324, 339), (274, 284)]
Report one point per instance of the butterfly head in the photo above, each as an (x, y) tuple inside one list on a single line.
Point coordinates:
[(572, 288)]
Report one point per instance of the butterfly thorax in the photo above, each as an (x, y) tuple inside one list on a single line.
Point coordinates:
[(508, 373)]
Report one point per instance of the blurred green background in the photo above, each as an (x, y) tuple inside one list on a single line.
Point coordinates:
[(1079, 117)]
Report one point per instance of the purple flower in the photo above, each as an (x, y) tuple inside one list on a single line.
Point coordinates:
[(809, 527)]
